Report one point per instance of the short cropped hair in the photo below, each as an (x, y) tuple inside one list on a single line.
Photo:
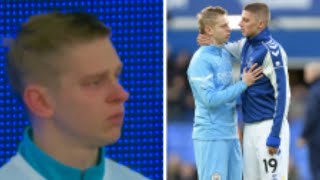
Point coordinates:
[(33, 54), (261, 10), (208, 16)]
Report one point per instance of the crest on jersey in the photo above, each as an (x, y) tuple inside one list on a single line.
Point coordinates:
[(216, 176), (278, 64), (250, 62)]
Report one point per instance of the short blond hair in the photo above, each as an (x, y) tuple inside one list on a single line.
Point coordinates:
[(33, 54), (261, 10), (208, 16)]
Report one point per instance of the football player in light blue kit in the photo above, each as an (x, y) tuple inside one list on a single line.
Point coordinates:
[(215, 137)]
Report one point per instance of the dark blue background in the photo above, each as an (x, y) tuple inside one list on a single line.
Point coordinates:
[(137, 35)]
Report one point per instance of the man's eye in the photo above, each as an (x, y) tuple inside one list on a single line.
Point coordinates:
[(95, 82)]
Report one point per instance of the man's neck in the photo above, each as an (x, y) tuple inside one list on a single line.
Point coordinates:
[(216, 43), (250, 37), (64, 149)]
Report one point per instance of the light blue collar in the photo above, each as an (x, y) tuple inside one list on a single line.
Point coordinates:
[(214, 49), (51, 168)]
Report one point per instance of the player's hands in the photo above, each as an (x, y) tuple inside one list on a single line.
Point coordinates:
[(253, 74), (203, 39), (301, 142), (272, 150)]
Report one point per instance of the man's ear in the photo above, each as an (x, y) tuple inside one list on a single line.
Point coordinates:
[(261, 24), (208, 30), (38, 100)]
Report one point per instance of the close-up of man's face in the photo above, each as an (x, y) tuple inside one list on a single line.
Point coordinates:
[(89, 104), (249, 24), (66, 70), (221, 29)]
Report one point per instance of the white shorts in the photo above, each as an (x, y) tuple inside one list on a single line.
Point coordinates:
[(258, 163)]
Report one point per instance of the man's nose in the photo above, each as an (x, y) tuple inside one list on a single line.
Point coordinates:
[(240, 24), (229, 29), (119, 93), (123, 94)]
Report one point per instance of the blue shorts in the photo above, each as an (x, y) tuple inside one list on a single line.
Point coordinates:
[(218, 159)]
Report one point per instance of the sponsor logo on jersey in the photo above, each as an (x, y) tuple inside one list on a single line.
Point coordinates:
[(216, 176)]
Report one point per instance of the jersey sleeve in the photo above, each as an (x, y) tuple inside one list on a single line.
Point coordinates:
[(235, 48), (277, 73), (202, 82)]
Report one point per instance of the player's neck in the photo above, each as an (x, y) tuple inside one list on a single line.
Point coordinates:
[(216, 43), (64, 149)]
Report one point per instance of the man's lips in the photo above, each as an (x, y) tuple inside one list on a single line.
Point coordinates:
[(116, 118)]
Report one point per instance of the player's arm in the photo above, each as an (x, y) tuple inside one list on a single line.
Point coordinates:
[(278, 78), (210, 95), (234, 48)]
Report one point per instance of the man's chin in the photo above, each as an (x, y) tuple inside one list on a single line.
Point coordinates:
[(111, 138), (114, 139), (111, 142), (225, 41)]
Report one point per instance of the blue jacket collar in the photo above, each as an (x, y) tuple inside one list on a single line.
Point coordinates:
[(264, 35), (51, 168)]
